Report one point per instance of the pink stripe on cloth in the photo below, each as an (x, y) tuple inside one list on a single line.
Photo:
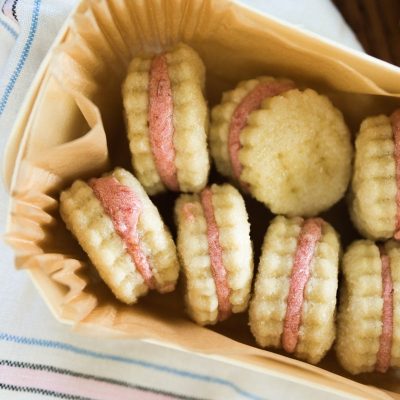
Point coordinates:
[(73, 385)]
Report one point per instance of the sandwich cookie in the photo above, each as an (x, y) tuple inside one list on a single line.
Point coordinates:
[(290, 149), (375, 189), (216, 253), (123, 234), (293, 306), (167, 120), (368, 331)]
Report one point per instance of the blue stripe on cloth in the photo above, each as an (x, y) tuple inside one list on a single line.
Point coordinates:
[(24, 55), (9, 29), (145, 364)]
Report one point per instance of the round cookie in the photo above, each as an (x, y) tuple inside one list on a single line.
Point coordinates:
[(294, 300), (216, 253), (290, 149), (123, 234), (368, 330), (167, 120), (375, 195)]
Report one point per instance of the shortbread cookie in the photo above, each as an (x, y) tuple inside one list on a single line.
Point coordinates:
[(368, 332), (294, 299), (167, 120), (123, 234), (290, 149), (216, 253), (375, 193)]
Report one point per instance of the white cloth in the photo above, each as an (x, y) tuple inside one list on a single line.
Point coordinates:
[(33, 345)]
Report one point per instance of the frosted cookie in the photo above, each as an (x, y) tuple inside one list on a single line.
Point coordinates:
[(123, 234), (290, 149), (368, 332), (216, 253), (375, 193), (294, 299), (167, 120)]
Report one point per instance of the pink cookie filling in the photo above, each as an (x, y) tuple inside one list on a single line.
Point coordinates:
[(160, 119), (309, 237), (124, 208), (385, 340), (395, 121), (251, 102), (214, 248)]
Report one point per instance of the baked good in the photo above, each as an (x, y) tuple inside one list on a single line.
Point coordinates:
[(294, 300), (368, 331), (375, 195), (290, 149), (216, 253), (123, 234), (167, 120)]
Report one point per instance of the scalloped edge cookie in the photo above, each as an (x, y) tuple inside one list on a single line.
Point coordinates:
[(217, 282), (294, 152), (181, 156), (223, 113), (362, 306), (85, 216), (374, 198), (278, 283)]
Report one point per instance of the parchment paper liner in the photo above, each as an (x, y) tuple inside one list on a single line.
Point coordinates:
[(77, 112)]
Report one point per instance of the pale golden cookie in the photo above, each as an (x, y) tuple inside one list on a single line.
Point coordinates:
[(184, 76), (276, 285), (207, 299), (86, 217), (360, 316), (221, 117), (295, 149), (373, 190)]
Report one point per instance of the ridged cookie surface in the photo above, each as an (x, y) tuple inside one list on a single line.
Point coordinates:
[(221, 117), (193, 249), (86, 218), (361, 306), (269, 302), (296, 153), (190, 120), (295, 150), (373, 192)]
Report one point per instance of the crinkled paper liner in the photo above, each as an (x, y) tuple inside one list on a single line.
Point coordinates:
[(72, 126)]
